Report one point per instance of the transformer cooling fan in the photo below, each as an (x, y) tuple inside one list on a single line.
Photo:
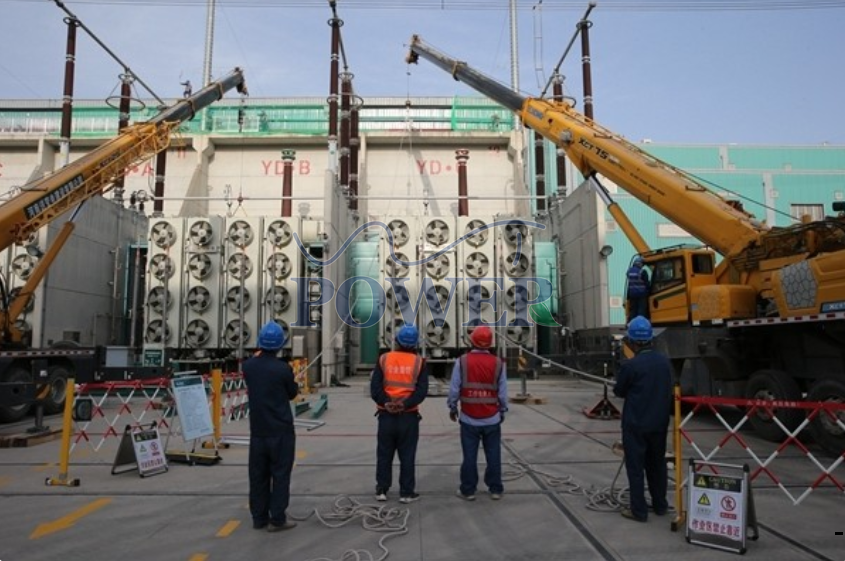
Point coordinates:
[(476, 296), (397, 268), (437, 335), (517, 297), (519, 331), (161, 266), (437, 232), (157, 298), (398, 300), (401, 232), (238, 300), (157, 332), (240, 233), (278, 299), (279, 266), (237, 333), (239, 266), (516, 232), (437, 267), (199, 266), (197, 333), (279, 233), (199, 298), (477, 265), (517, 267), (22, 265), (437, 296), (163, 234), (201, 233), (479, 236)]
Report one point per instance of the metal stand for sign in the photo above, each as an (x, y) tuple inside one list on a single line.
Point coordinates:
[(720, 507)]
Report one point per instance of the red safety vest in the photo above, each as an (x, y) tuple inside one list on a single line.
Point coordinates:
[(400, 371), (480, 384)]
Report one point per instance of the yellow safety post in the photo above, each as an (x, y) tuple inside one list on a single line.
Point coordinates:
[(67, 430), (680, 513), (216, 408)]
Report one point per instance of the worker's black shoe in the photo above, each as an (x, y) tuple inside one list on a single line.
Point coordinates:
[(259, 525), (281, 527), (628, 513)]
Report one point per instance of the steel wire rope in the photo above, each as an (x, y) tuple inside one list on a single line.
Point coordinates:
[(391, 521)]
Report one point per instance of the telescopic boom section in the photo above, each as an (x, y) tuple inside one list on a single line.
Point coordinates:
[(596, 150), (42, 201)]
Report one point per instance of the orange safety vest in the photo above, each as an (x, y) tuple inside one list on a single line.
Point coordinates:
[(480, 384), (400, 371)]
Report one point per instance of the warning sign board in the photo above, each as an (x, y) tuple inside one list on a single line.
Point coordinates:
[(720, 507), (140, 449)]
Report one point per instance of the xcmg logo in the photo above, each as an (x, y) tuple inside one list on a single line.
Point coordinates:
[(408, 309)]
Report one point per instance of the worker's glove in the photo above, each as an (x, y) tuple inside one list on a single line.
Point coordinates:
[(501, 417), (453, 415)]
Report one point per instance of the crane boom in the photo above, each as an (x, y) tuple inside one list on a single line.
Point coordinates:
[(39, 203), (594, 149), (42, 201)]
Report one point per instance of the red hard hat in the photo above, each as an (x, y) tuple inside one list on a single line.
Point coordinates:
[(481, 337)]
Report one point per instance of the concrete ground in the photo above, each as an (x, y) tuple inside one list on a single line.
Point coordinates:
[(559, 466)]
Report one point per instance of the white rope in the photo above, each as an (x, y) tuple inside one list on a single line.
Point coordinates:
[(604, 499), (390, 521)]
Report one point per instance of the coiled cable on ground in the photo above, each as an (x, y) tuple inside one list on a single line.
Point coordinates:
[(390, 521), (604, 499)]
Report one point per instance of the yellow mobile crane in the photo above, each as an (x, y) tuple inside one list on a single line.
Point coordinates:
[(765, 322), (22, 369)]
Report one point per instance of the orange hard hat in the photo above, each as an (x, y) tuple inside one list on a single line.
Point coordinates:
[(481, 337)]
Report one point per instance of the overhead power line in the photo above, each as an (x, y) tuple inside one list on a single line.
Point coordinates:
[(487, 5)]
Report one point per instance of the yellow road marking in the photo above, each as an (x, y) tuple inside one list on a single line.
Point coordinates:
[(68, 520), (301, 454), (199, 557), (5, 480), (228, 528)]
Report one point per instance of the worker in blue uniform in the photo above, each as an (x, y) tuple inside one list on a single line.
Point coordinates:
[(639, 286), (645, 381), (272, 440), (398, 385)]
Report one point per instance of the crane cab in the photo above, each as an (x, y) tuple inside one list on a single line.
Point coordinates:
[(684, 289)]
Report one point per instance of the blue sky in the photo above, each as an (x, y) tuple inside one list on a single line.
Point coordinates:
[(669, 74)]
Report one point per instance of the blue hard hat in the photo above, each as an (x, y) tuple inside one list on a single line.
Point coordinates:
[(638, 260), (408, 336), (640, 330), (271, 337)]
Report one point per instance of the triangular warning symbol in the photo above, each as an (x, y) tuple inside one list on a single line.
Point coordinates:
[(142, 448), (701, 482), (703, 500)]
